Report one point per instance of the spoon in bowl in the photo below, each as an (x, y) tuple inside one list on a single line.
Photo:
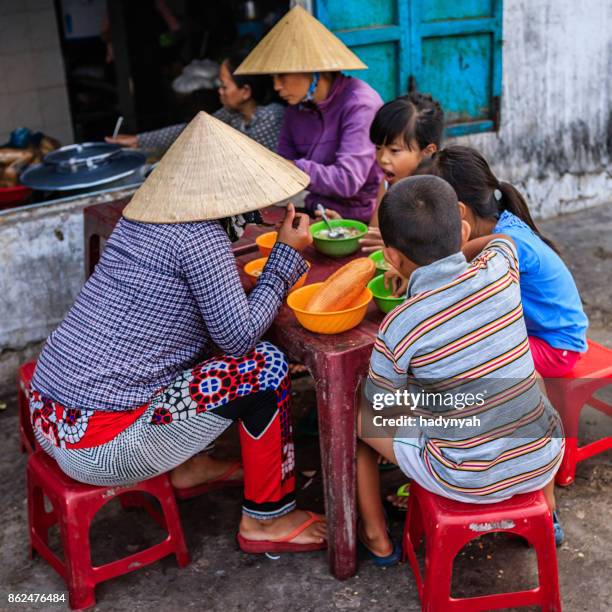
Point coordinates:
[(334, 233)]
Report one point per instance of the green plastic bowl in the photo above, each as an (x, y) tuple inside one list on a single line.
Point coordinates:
[(379, 259), (382, 295), (340, 247)]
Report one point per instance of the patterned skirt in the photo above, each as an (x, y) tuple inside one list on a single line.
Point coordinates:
[(114, 448)]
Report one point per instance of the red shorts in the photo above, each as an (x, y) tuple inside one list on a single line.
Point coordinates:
[(551, 362)]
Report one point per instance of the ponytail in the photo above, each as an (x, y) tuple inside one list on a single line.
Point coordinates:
[(477, 187), (514, 202)]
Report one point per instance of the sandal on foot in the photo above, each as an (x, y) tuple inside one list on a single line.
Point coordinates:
[(393, 509), (393, 558), (389, 560), (284, 544), (224, 481), (559, 533)]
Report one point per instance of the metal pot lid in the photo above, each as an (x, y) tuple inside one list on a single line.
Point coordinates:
[(82, 153), (65, 176)]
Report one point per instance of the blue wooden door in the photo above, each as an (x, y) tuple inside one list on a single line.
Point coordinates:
[(448, 48), (377, 30), (455, 54)]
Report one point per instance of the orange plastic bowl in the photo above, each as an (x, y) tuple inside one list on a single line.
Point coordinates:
[(327, 322), (254, 268), (265, 242)]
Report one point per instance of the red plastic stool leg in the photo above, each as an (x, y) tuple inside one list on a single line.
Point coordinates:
[(413, 536), (438, 577), (74, 529), (173, 525), (543, 539), (567, 470), (38, 521)]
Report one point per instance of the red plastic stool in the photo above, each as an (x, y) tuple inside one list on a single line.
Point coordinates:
[(74, 507), (26, 434), (570, 394), (447, 526)]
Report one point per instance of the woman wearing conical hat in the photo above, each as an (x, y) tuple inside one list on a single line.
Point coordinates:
[(161, 351), (325, 130), (247, 107)]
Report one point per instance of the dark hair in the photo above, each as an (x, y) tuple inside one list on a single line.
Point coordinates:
[(419, 216), (261, 85), (414, 117), (471, 177)]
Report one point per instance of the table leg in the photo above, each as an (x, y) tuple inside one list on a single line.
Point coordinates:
[(336, 381)]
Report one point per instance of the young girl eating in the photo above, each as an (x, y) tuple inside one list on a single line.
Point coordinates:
[(556, 323), (405, 131)]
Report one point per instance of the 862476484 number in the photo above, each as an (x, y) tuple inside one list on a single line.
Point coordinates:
[(36, 597)]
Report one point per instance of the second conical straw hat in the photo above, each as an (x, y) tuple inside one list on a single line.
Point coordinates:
[(299, 43), (210, 172)]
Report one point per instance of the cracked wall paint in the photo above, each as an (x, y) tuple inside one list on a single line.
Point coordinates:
[(41, 273), (555, 136)]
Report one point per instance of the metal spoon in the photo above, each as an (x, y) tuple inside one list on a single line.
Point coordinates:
[(333, 232), (117, 127)]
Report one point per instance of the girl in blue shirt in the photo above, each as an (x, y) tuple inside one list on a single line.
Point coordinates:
[(556, 323)]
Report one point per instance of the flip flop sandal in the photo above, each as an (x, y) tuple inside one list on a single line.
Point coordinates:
[(284, 544), (393, 558), (391, 508), (222, 482), (559, 533)]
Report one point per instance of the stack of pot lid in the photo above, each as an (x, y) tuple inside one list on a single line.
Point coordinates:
[(80, 166)]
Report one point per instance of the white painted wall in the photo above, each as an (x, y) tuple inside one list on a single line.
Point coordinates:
[(555, 139), (32, 80), (41, 272)]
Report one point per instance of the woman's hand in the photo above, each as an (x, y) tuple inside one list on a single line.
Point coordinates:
[(128, 141), (295, 229), (329, 213), (396, 282), (372, 241)]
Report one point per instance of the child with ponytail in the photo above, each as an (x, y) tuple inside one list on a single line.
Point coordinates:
[(556, 323)]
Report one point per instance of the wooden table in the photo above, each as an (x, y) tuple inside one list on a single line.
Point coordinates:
[(336, 362)]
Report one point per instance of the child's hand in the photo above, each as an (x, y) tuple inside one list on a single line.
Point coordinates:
[(295, 229), (329, 213), (396, 282), (372, 241)]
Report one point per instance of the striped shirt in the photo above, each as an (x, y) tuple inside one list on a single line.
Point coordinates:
[(264, 128), (160, 300), (459, 345)]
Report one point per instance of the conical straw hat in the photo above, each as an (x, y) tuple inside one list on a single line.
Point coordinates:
[(210, 172), (299, 43)]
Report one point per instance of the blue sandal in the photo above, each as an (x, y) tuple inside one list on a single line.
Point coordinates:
[(393, 558), (390, 560), (559, 533)]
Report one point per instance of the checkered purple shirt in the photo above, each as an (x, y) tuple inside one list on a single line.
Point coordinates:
[(159, 300)]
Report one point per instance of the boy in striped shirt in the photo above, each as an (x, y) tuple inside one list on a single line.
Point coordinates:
[(452, 396)]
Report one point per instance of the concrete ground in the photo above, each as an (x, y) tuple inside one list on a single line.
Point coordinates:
[(224, 579)]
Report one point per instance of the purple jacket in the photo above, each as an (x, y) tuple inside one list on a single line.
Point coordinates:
[(331, 143)]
